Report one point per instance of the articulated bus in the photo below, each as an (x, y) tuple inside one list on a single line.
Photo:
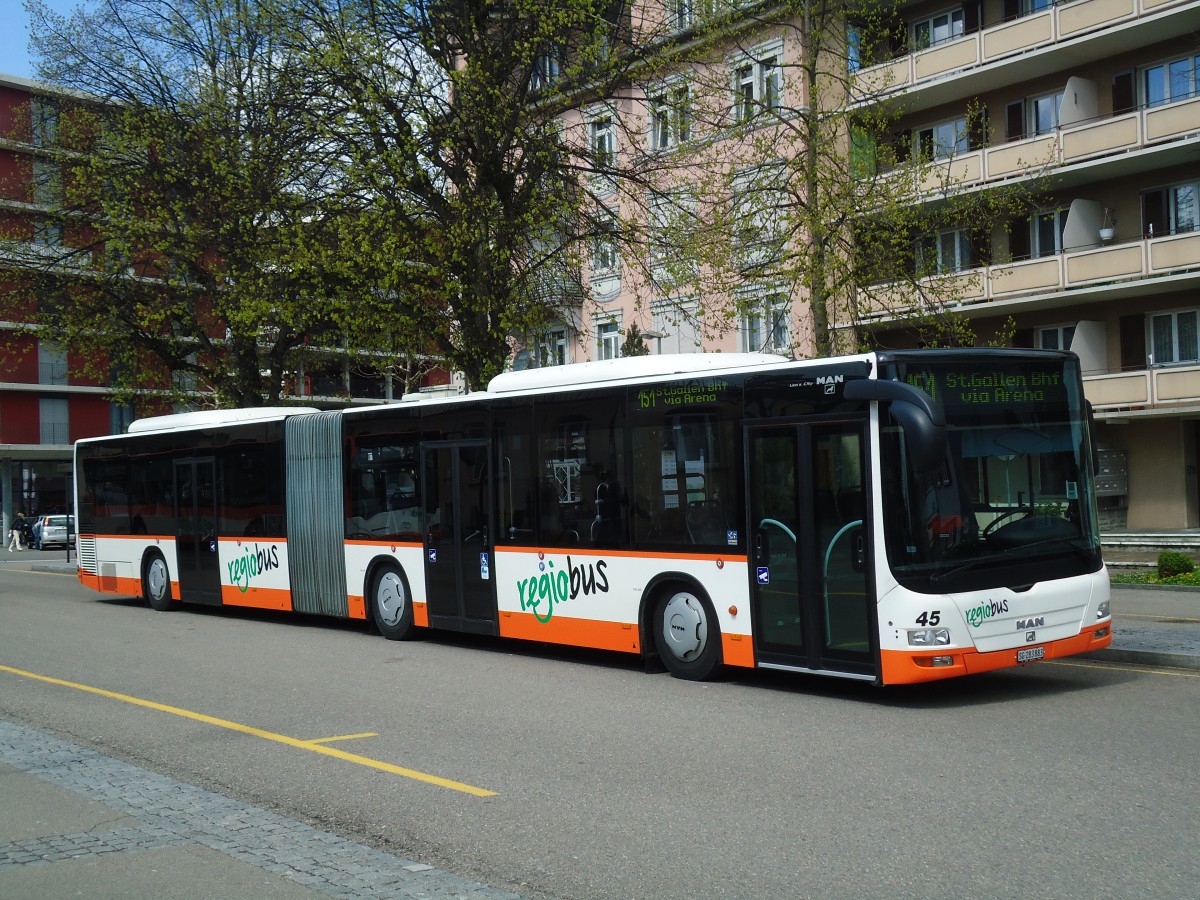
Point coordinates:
[(892, 517)]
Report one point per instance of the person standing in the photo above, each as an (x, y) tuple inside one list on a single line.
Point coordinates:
[(15, 533)]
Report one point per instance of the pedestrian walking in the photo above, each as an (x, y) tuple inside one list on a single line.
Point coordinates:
[(16, 533)]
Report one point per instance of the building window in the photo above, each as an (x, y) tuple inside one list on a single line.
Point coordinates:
[(758, 82), (608, 340), (605, 259), (47, 234), (546, 72), (944, 252), (1043, 113), (552, 348), (120, 415), (47, 182), (603, 139), (674, 327), (1171, 210), (945, 26), (1173, 337), (1172, 81), (671, 222), (766, 325), (1056, 337), (55, 421), (760, 211), (1037, 115), (44, 111), (943, 140), (670, 116), (52, 363), (1046, 233)]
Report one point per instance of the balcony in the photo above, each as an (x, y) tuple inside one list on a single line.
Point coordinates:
[(1101, 271), (1084, 143), (1145, 390), (1019, 40)]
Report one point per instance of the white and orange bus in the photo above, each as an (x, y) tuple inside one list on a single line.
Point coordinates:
[(892, 517)]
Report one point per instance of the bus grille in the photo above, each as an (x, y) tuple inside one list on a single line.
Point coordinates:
[(86, 548)]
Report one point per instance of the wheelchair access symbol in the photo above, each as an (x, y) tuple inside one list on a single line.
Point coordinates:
[(764, 575)]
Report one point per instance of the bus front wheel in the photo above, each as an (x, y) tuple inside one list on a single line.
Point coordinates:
[(391, 604), (687, 634), (156, 583)]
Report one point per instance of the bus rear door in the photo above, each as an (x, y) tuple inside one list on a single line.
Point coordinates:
[(458, 551), (813, 604), (196, 530)]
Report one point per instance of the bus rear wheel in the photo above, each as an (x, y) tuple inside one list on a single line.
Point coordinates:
[(391, 604), (156, 583), (687, 635)]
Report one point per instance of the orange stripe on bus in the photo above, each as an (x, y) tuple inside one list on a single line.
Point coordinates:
[(903, 667), (627, 554), (257, 598), (420, 614), (618, 636), (357, 605)]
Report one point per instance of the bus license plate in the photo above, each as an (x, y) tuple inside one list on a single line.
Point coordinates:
[(1030, 654)]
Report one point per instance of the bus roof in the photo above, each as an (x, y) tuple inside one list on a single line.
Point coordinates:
[(210, 417), (626, 369)]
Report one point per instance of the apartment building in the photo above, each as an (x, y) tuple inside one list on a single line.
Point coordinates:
[(45, 405), (1094, 104), (1100, 100)]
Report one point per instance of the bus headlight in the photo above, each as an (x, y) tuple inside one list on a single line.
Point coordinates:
[(928, 637), (1102, 610)]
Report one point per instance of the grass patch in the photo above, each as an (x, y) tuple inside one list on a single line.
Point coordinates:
[(1190, 579)]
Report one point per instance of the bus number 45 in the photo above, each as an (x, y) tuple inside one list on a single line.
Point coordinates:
[(930, 618)]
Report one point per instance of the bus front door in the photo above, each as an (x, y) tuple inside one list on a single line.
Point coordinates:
[(458, 551), (196, 531), (813, 602)]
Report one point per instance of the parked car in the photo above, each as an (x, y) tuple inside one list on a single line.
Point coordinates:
[(53, 531)]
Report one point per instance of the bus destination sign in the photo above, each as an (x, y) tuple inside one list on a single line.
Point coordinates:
[(995, 387)]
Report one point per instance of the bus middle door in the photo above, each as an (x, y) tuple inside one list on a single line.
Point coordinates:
[(459, 556), (810, 567), (196, 531)]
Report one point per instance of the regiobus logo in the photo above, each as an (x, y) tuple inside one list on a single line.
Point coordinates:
[(977, 615), (550, 587), (251, 564)]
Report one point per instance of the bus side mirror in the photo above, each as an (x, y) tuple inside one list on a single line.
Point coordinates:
[(922, 420)]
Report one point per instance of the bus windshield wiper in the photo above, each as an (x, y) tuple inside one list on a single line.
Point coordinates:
[(997, 557)]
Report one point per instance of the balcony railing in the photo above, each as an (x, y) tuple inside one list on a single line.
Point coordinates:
[(1092, 140), (1087, 267), (1148, 388), (1005, 40)]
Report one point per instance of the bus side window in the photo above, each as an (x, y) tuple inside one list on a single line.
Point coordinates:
[(685, 490), (578, 453)]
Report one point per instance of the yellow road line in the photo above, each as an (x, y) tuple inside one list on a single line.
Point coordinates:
[(312, 746), (1176, 673), (342, 737)]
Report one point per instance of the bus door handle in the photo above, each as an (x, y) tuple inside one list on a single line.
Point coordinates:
[(760, 546), (859, 563)]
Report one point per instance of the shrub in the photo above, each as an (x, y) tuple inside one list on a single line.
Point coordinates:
[(1171, 564)]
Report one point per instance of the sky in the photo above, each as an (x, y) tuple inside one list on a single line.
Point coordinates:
[(14, 35)]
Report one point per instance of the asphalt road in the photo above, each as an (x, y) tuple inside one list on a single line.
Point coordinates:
[(1067, 779)]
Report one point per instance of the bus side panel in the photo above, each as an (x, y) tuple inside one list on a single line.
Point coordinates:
[(592, 598), (255, 573), (119, 563), (408, 557)]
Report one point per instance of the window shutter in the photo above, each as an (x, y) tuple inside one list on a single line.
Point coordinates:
[(1155, 217), (1015, 120), (970, 18), (1123, 99), (1011, 9), (1023, 337), (1133, 342), (1018, 239)]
